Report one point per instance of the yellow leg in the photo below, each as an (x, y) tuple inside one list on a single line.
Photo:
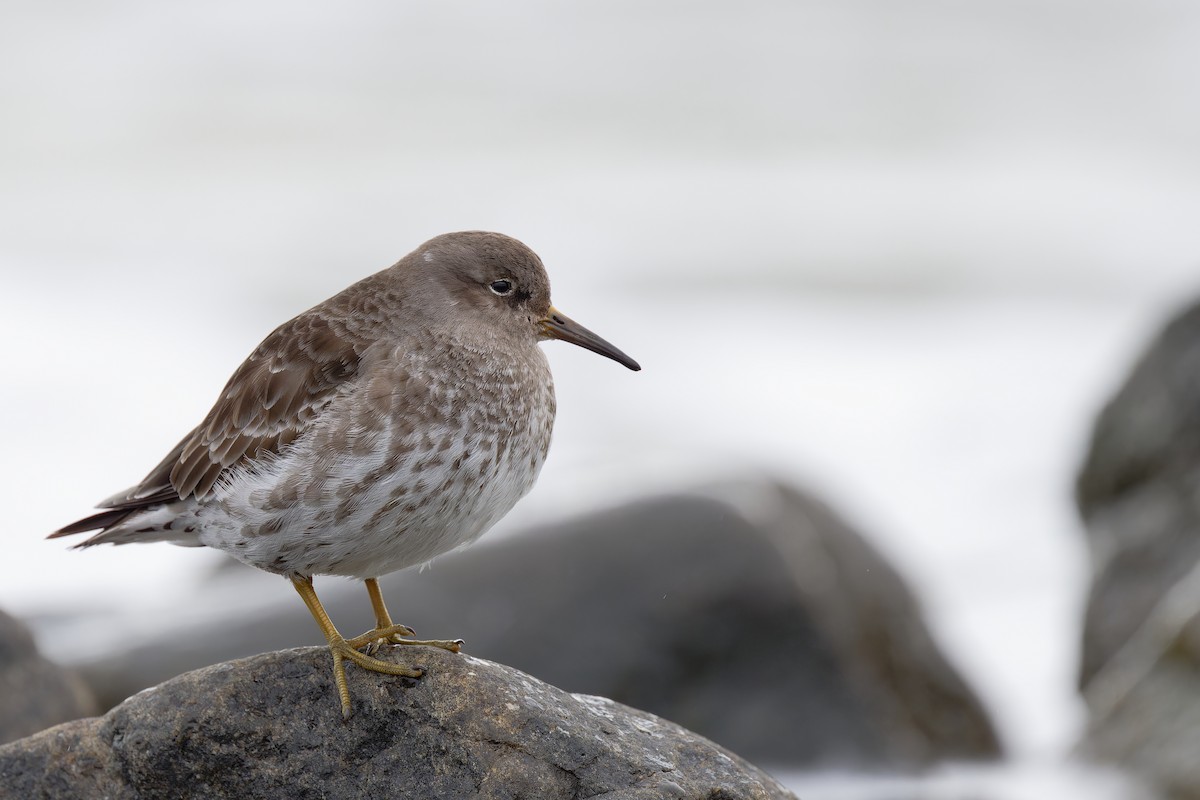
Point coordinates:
[(342, 649), (387, 633), (382, 618)]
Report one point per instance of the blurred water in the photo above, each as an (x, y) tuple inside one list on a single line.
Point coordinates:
[(896, 252)]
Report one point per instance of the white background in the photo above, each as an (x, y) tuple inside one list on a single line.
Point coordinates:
[(898, 253)]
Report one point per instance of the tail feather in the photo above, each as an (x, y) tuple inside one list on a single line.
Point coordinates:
[(153, 493), (104, 519), (153, 523)]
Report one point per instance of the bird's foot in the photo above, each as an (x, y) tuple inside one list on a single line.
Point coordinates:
[(372, 640), (343, 651), (375, 639)]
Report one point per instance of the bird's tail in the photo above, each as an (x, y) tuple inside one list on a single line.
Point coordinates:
[(157, 523), (99, 521)]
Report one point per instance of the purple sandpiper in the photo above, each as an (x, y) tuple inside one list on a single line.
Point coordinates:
[(396, 421)]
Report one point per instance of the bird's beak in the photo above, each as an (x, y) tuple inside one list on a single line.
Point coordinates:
[(557, 325)]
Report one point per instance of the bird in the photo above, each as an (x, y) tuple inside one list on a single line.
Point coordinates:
[(390, 424)]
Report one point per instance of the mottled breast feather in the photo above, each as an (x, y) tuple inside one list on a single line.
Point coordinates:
[(271, 399)]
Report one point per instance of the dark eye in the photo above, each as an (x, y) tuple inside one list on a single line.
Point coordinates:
[(501, 287)]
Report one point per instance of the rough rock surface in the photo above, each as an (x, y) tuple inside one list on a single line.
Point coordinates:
[(34, 693), (751, 615), (1139, 495), (270, 726)]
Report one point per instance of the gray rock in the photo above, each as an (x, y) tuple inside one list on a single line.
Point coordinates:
[(1139, 491), (1144, 713), (34, 693), (270, 726), (1139, 495), (752, 616)]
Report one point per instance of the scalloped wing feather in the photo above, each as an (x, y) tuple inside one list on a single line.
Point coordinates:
[(270, 400)]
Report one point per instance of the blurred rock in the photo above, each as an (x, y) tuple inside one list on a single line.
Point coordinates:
[(1139, 495), (1139, 492), (1145, 704), (34, 692), (752, 616), (270, 727)]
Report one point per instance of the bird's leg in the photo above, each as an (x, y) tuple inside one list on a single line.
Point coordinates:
[(342, 649), (387, 633)]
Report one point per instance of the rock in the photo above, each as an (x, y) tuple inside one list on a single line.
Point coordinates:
[(751, 615), (1139, 491), (1139, 495), (270, 726), (34, 693), (1143, 707)]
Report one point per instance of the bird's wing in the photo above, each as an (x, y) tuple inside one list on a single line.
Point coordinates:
[(271, 399)]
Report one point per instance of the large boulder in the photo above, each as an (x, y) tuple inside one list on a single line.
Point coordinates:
[(1139, 494), (271, 727), (750, 614), (34, 693)]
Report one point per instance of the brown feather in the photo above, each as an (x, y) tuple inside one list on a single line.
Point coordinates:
[(268, 402), (155, 487), (104, 519)]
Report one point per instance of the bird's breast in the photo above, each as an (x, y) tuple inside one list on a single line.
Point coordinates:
[(416, 462)]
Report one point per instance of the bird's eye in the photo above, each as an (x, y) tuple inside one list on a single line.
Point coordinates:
[(501, 287)]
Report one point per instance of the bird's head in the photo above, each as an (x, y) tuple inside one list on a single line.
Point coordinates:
[(501, 283)]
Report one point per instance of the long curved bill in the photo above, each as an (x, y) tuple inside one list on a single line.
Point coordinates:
[(557, 325)]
